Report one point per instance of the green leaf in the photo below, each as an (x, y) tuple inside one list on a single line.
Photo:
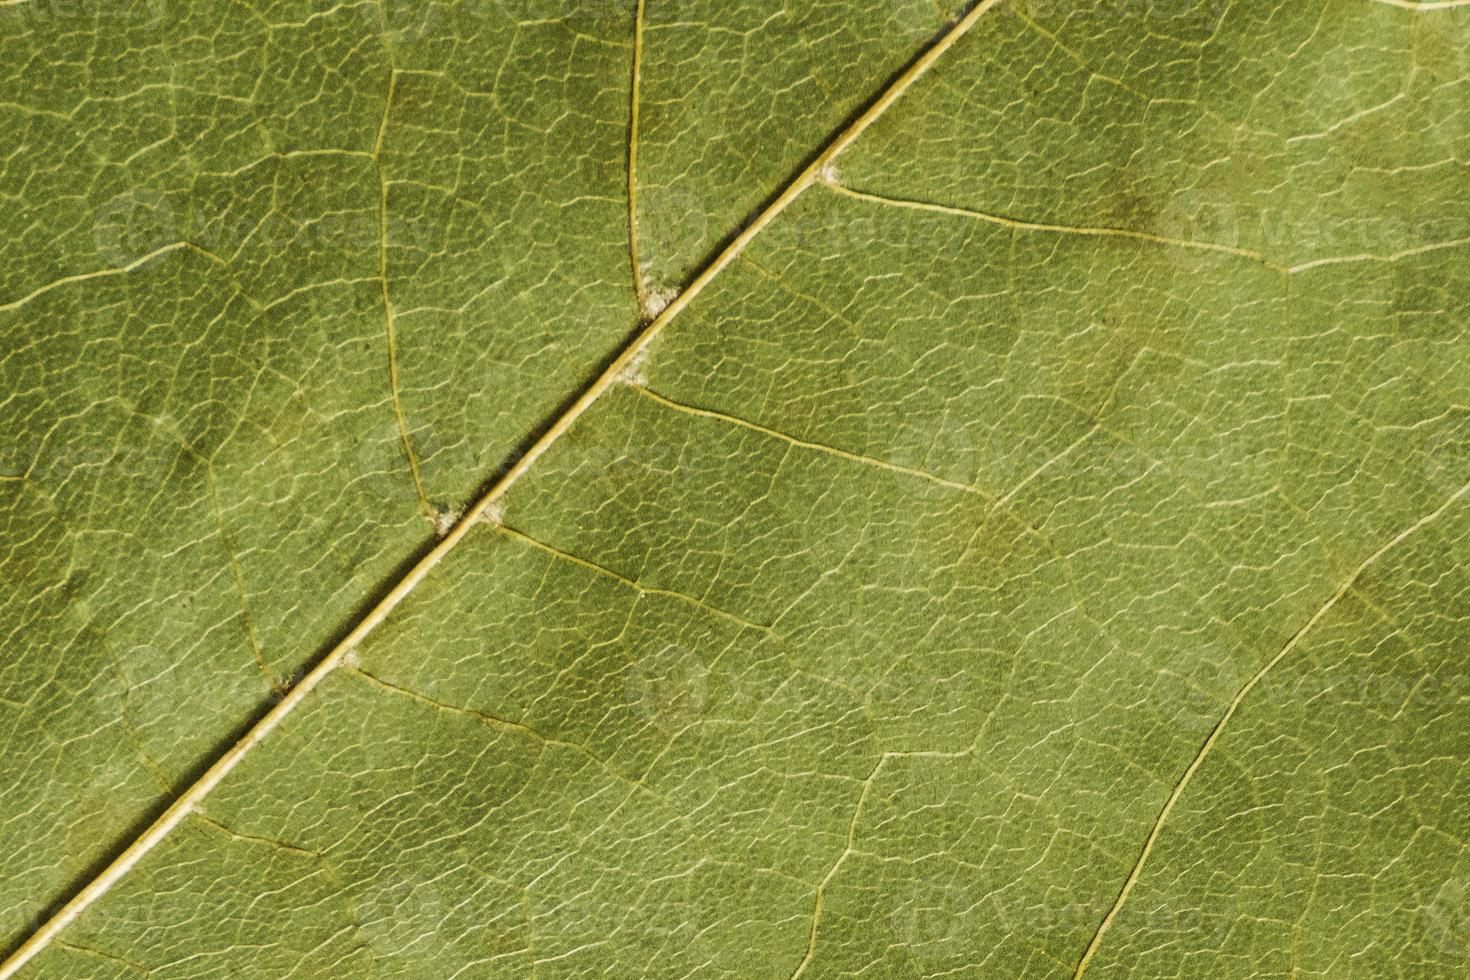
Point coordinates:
[(683, 488)]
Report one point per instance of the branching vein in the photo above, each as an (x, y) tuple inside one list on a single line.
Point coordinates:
[(1234, 707), (405, 437), (186, 803), (642, 589), (1021, 225), (106, 273), (820, 447), (639, 286)]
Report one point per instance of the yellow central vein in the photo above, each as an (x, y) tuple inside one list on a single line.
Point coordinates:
[(1234, 706), (192, 797)]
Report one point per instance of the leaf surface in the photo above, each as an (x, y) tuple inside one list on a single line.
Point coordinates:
[(1034, 544)]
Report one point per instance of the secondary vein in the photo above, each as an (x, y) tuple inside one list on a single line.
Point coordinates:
[(639, 287), (1020, 225), (820, 447), (405, 437), (1234, 707)]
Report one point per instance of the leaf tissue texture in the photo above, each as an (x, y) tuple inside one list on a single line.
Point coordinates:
[(716, 488)]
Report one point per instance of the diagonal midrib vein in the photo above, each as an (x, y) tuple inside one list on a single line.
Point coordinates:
[(191, 798)]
